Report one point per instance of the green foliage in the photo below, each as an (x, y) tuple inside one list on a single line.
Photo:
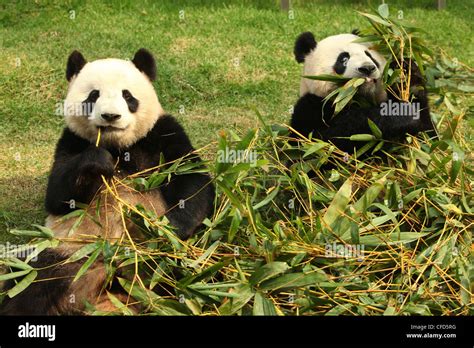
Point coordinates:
[(375, 239), (269, 248)]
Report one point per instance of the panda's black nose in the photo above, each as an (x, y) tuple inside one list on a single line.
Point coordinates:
[(367, 69), (110, 117)]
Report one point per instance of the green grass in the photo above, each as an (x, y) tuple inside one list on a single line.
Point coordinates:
[(196, 68)]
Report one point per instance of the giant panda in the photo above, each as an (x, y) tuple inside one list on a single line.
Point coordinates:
[(340, 55), (116, 97)]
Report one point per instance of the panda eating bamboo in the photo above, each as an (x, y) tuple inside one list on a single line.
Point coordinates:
[(115, 127), (342, 55)]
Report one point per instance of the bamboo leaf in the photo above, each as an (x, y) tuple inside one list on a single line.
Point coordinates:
[(23, 284), (375, 19), (263, 306), (243, 294), (267, 271), (330, 78), (267, 199), (87, 264), (120, 306), (294, 280), (375, 130), (362, 137), (13, 275), (338, 204), (383, 10), (83, 252), (390, 239)]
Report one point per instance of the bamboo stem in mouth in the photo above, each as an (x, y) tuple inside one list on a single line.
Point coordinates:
[(98, 138)]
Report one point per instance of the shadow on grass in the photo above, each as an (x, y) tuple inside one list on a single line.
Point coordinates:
[(21, 205)]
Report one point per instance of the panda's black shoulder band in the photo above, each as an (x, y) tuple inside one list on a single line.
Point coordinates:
[(170, 137), (304, 44)]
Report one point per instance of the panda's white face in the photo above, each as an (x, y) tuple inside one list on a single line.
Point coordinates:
[(340, 55), (113, 95)]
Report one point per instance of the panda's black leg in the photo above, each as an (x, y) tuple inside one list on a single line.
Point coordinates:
[(54, 292)]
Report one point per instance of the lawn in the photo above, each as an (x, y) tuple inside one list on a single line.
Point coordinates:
[(215, 61)]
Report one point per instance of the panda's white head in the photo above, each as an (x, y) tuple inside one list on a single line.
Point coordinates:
[(339, 55), (114, 95)]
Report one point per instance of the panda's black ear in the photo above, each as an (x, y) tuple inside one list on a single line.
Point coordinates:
[(145, 62), (304, 43), (75, 63)]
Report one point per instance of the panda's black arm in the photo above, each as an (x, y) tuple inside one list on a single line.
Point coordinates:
[(76, 173), (194, 191), (308, 115), (308, 118), (393, 126), (398, 125), (354, 120)]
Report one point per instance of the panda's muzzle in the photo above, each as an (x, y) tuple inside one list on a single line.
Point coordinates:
[(110, 117), (367, 69)]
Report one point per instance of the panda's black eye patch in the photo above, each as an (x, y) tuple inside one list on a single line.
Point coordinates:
[(372, 58), (341, 63), (132, 102), (88, 104), (93, 96)]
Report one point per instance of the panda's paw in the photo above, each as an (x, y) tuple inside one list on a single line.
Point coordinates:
[(416, 77), (412, 69), (95, 162)]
